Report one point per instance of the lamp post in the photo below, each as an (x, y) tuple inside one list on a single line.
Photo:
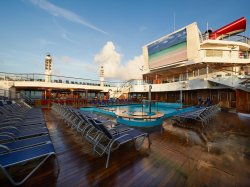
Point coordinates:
[(183, 85), (181, 97), (149, 97)]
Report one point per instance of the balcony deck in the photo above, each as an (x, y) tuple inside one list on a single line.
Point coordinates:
[(176, 158)]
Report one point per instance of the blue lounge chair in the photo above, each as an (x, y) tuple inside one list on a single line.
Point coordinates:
[(22, 156), (108, 142), (15, 133), (24, 143)]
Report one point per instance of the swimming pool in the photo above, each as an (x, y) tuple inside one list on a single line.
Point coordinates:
[(168, 109), (146, 124)]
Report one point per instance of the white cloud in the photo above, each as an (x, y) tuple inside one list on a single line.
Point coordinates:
[(66, 37), (133, 67), (111, 61), (65, 34), (108, 55), (67, 14)]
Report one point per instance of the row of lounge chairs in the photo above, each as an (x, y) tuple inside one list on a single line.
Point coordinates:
[(203, 115), (23, 137), (104, 135)]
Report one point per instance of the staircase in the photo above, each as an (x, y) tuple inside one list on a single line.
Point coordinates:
[(233, 81), (123, 89)]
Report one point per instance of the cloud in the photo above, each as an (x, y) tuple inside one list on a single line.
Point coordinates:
[(61, 12), (111, 61), (133, 67), (108, 55), (65, 34)]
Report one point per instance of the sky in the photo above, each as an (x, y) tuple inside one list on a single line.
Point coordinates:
[(81, 35)]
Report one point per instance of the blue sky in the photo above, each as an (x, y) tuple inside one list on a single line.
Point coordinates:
[(81, 34)]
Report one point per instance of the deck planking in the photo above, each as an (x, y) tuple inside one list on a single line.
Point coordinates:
[(171, 161)]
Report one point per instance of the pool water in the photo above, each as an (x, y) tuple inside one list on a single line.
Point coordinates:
[(168, 109), (145, 124)]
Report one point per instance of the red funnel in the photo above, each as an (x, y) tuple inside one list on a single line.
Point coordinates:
[(235, 27)]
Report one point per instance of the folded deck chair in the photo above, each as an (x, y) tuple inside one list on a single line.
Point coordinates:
[(22, 156), (108, 142)]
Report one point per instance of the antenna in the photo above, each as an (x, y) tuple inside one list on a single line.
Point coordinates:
[(207, 34)]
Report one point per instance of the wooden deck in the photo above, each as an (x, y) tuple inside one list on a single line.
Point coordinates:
[(175, 158)]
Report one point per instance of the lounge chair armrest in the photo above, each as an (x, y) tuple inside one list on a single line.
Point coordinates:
[(98, 122), (9, 127), (12, 118), (4, 147), (7, 133), (7, 136), (123, 135)]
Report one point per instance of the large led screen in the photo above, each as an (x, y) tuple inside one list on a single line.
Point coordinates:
[(168, 50)]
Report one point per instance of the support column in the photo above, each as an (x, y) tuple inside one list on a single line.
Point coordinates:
[(207, 71)]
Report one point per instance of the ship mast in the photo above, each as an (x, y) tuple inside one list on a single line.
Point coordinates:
[(101, 76), (48, 68)]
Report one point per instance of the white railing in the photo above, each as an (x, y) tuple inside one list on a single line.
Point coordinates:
[(227, 37), (36, 77)]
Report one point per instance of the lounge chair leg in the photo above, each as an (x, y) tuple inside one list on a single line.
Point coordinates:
[(149, 141), (82, 136), (107, 161), (162, 129), (22, 181), (58, 167)]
